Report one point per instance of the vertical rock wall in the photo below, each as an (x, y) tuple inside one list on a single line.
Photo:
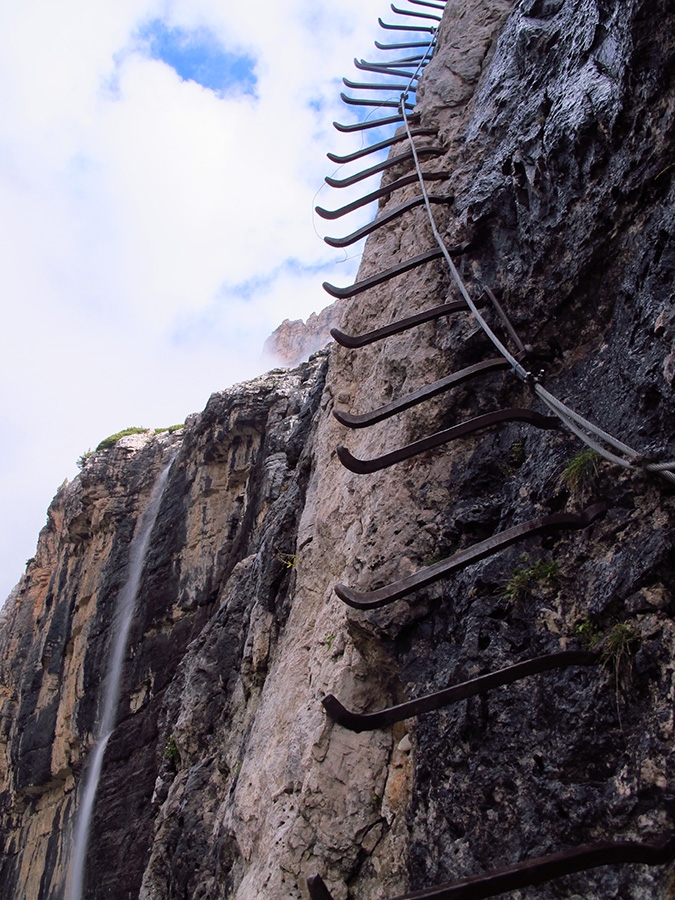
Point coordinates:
[(225, 778), (230, 506)]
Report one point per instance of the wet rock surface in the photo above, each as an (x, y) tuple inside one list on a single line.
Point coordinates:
[(560, 180), (240, 463), (557, 116)]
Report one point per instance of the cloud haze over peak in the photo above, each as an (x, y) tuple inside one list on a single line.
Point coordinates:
[(159, 163)]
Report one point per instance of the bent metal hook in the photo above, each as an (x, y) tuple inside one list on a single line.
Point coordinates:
[(463, 558), (535, 871)]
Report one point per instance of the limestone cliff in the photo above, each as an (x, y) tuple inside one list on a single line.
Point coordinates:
[(225, 778), (295, 340), (228, 516)]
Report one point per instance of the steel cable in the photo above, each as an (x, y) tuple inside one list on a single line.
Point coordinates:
[(576, 423)]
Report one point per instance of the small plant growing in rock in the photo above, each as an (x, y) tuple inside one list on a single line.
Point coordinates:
[(172, 753), (589, 633), (81, 461), (522, 581), (616, 649), (517, 455), (329, 641), (618, 644), (514, 460), (289, 560), (112, 439), (170, 429), (580, 473)]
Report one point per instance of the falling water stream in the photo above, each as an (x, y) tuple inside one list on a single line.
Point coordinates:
[(126, 605)]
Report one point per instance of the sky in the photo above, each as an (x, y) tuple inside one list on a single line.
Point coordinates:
[(159, 164)]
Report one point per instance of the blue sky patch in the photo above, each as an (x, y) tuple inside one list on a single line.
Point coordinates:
[(199, 56)]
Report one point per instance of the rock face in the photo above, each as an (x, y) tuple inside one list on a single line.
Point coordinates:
[(225, 779), (228, 517), (295, 340)]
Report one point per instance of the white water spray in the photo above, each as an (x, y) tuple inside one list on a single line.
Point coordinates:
[(126, 605)]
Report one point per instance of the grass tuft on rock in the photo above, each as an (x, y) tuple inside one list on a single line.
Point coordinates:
[(112, 439), (522, 581), (581, 472)]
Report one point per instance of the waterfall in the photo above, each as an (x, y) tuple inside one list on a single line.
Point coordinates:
[(126, 605)]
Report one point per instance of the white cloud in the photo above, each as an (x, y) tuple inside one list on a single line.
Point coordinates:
[(152, 233)]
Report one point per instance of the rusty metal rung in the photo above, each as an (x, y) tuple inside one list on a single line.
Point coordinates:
[(513, 414), (393, 63), (375, 123), (384, 219), (390, 104), (412, 12), (362, 86), (398, 269), (384, 717), (383, 166), (430, 29), (382, 69), (385, 191), (400, 325), (463, 558), (419, 396), (411, 45), (535, 871), (426, 3), (381, 145)]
